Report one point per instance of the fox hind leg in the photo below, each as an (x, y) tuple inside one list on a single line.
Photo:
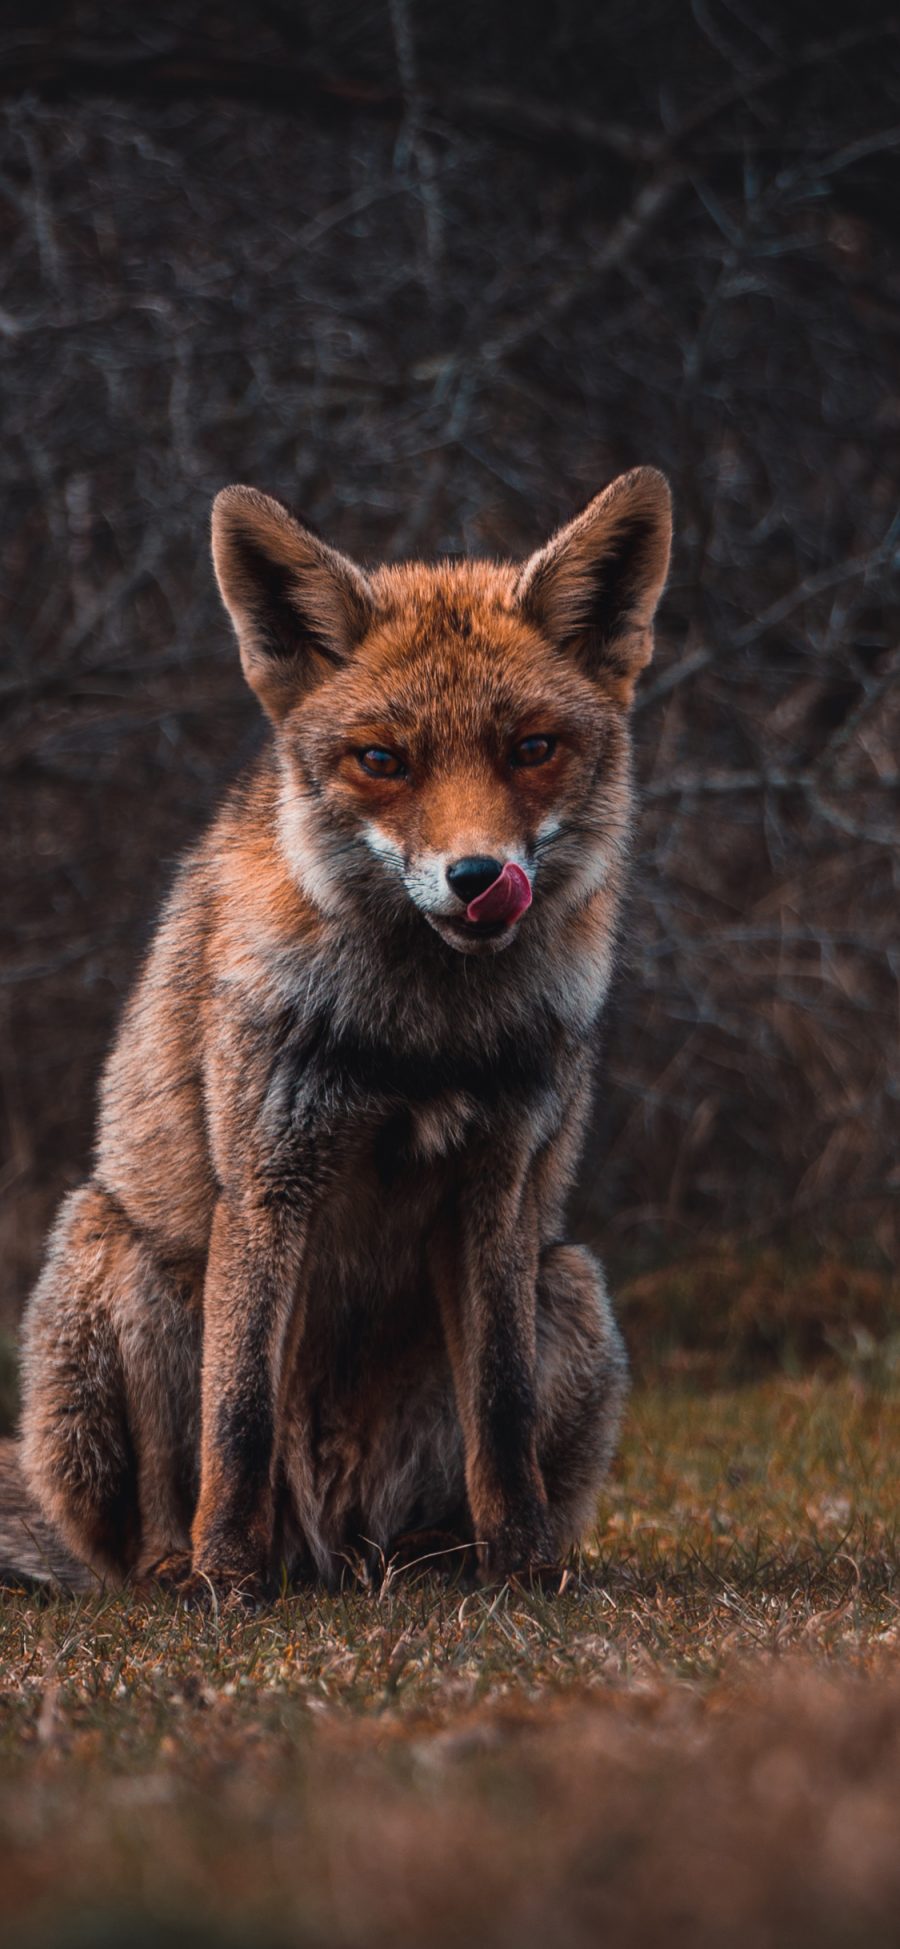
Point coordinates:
[(582, 1380), (111, 1358)]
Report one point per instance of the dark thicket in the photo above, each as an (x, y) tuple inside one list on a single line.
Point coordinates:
[(434, 274)]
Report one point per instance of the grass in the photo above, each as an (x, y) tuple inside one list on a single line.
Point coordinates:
[(698, 1735)]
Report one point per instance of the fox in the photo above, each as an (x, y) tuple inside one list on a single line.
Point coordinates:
[(317, 1296)]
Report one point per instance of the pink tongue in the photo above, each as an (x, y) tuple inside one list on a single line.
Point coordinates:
[(505, 899)]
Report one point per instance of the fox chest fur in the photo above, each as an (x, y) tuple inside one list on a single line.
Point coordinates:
[(369, 1103)]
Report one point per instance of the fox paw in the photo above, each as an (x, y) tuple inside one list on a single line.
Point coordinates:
[(521, 1548), (197, 1587), (439, 1550)]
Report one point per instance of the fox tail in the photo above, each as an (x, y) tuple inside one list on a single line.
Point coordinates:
[(31, 1552)]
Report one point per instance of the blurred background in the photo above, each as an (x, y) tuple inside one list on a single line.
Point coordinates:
[(435, 274)]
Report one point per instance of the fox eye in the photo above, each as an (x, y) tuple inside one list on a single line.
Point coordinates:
[(533, 751), (380, 763)]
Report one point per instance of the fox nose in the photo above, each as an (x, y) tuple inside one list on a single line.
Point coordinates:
[(470, 877)]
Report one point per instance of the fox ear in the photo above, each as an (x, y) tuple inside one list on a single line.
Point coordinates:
[(298, 606), (594, 588)]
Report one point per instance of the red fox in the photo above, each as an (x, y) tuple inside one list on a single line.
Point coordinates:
[(317, 1295)]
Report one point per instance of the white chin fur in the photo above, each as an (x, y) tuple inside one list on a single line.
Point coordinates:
[(471, 944)]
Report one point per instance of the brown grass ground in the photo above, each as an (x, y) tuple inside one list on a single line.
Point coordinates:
[(696, 1740)]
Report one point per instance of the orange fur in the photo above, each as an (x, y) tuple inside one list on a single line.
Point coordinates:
[(315, 1291)]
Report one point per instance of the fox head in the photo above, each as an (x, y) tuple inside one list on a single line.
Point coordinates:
[(451, 736)]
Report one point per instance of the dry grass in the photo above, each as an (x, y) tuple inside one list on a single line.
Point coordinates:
[(700, 1734), (736, 1312)]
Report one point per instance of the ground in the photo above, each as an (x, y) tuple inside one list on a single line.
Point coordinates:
[(697, 1736)]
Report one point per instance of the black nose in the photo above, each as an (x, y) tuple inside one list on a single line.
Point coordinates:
[(470, 877)]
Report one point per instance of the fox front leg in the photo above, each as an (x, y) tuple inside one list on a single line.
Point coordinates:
[(253, 1271), (487, 1279), (253, 1319)]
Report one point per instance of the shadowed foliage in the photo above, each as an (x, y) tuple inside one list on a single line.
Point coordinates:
[(434, 276)]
